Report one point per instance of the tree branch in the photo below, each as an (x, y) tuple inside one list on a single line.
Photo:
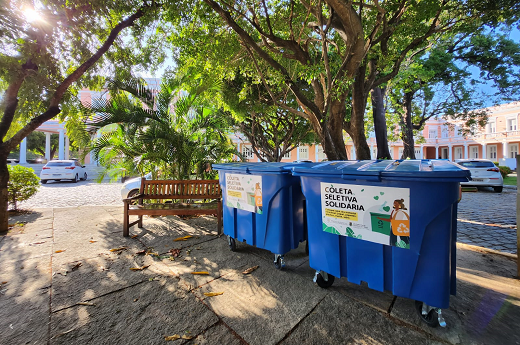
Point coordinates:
[(53, 108)]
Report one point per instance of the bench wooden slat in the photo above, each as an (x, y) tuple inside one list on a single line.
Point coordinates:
[(175, 190)]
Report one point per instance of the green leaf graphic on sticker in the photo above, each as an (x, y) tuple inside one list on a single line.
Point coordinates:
[(350, 232), (330, 229), (359, 237), (363, 190), (229, 204), (376, 197), (386, 208), (382, 193)]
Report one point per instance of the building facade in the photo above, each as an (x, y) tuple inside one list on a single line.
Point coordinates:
[(498, 141)]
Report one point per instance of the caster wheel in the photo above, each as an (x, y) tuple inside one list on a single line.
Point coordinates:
[(232, 244), (279, 262), (431, 319), (324, 283)]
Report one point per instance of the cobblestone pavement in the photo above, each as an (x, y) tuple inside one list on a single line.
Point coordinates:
[(488, 219), (485, 218), (83, 193)]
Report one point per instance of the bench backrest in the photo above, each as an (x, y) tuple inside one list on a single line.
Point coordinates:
[(180, 189)]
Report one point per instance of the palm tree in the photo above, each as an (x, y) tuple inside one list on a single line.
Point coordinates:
[(173, 132)]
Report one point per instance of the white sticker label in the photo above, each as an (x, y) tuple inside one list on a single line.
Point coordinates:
[(369, 213), (244, 192)]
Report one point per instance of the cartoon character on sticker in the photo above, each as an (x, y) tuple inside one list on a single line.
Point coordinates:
[(400, 225), (258, 198)]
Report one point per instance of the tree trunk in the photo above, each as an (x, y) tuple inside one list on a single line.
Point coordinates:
[(4, 178), (407, 128), (380, 129), (333, 143), (356, 128)]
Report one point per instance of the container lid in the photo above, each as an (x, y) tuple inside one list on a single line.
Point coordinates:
[(376, 169), (260, 167)]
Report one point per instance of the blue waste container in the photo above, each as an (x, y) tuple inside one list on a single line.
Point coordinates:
[(389, 223), (263, 205)]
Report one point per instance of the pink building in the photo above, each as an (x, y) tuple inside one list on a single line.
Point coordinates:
[(498, 141)]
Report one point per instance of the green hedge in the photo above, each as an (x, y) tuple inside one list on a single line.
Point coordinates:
[(23, 184), (504, 170)]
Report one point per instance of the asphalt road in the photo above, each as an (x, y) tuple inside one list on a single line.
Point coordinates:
[(485, 218)]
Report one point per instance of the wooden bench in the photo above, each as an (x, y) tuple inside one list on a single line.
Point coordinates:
[(177, 191)]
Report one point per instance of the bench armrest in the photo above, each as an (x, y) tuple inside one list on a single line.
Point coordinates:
[(133, 198)]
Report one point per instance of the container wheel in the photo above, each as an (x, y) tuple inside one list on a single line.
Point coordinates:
[(324, 283), (232, 244), (431, 319), (279, 262)]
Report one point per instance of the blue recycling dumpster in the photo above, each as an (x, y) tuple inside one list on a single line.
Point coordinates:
[(263, 205), (389, 223)]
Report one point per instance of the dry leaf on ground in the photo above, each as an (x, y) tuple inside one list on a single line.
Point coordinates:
[(200, 273), (250, 269), (92, 241), (187, 337), (135, 236), (138, 268), (211, 294), (4, 283), (172, 337), (175, 252), (76, 266), (141, 252), (185, 238), (117, 249), (60, 251), (85, 303)]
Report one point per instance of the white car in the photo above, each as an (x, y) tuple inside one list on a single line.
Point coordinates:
[(484, 173), (131, 187), (58, 170)]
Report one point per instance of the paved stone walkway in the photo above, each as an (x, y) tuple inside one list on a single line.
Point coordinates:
[(486, 219)]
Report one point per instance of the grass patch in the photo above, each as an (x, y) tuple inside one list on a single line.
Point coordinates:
[(510, 180)]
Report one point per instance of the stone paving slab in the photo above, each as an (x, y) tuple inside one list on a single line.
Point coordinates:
[(159, 233), (218, 334), (96, 277), (486, 309), (24, 300), (141, 314), (213, 257), (338, 319), (260, 307)]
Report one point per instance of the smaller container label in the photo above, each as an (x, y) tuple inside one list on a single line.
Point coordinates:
[(369, 213), (244, 192)]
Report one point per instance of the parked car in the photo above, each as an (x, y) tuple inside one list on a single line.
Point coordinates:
[(58, 170), (484, 173), (131, 186), (12, 161)]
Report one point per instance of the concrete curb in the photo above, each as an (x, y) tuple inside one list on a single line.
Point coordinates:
[(486, 250)]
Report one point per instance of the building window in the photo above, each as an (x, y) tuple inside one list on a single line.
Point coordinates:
[(511, 125), (321, 153), (457, 131), (287, 155), (458, 153), (474, 152), (418, 153), (304, 152), (513, 150), (492, 127), (247, 152), (374, 153), (432, 133), (445, 132), (401, 149), (492, 152)]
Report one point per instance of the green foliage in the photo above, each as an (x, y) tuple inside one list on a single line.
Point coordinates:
[(174, 132), (504, 170), (23, 184)]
